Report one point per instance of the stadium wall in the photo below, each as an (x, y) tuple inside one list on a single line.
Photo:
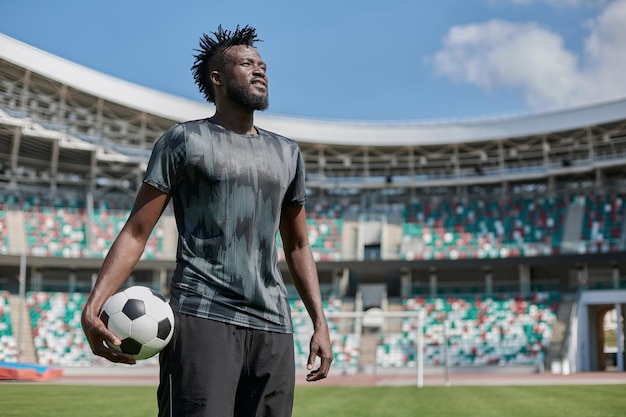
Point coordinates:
[(587, 352)]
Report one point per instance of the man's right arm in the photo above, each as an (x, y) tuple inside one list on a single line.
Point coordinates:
[(118, 265)]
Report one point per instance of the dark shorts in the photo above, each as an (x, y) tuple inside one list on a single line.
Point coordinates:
[(214, 369)]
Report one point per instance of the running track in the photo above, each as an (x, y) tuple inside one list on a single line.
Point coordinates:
[(149, 376)]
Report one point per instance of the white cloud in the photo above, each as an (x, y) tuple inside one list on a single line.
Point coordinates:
[(534, 60), (605, 54)]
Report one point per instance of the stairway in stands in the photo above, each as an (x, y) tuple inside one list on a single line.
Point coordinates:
[(559, 332), (23, 331), (16, 225), (572, 228)]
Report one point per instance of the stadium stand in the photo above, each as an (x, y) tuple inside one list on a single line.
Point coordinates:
[(484, 228), (487, 225), (59, 341), (475, 332), (480, 331), (434, 228)]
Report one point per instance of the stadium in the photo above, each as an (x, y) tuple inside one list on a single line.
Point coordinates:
[(486, 244)]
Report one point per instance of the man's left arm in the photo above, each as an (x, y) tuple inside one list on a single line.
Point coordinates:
[(304, 276)]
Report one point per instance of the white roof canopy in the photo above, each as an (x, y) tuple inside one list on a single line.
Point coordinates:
[(310, 130)]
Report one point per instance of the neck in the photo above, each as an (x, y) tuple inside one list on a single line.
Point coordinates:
[(241, 122)]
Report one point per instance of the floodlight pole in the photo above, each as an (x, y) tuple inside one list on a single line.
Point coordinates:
[(20, 315), (419, 357), (620, 338), (446, 353)]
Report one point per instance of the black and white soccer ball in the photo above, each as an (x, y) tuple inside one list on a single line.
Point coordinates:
[(141, 318)]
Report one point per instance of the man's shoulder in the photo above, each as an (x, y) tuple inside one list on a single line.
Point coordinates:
[(185, 126), (276, 136), (193, 128), (195, 123)]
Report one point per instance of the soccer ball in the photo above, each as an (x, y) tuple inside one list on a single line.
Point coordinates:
[(141, 318)]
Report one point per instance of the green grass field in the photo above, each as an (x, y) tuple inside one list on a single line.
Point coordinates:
[(33, 400)]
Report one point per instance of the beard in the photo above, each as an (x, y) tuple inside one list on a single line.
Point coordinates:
[(238, 93)]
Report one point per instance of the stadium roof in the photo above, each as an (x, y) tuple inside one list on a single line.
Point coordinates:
[(332, 132)]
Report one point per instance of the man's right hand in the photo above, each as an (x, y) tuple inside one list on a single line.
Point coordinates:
[(97, 334)]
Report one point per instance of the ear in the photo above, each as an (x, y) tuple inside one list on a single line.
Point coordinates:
[(216, 78)]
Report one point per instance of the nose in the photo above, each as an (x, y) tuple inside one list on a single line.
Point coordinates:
[(259, 71)]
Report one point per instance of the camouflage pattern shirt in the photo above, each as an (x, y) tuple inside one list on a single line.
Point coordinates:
[(227, 191)]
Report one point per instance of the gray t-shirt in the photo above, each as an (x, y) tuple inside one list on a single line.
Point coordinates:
[(227, 191)]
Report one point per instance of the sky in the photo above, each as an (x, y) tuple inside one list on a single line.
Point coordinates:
[(361, 60)]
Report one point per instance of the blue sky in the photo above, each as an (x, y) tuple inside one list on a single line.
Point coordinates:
[(356, 60)]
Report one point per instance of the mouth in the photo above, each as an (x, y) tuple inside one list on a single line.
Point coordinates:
[(260, 83)]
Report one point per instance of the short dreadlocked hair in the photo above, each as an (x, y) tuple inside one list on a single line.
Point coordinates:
[(211, 54)]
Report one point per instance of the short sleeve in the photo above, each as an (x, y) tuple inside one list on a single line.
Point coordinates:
[(296, 193), (167, 160)]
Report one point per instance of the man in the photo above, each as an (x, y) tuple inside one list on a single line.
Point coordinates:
[(233, 187)]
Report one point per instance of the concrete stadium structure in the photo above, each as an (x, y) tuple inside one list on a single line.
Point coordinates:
[(70, 135)]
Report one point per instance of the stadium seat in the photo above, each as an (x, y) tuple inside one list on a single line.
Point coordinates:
[(57, 334), (4, 232), (8, 344)]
